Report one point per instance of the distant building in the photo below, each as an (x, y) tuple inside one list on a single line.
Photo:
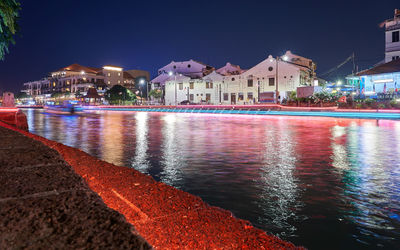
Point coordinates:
[(76, 78), (392, 37), (230, 84), (383, 78)]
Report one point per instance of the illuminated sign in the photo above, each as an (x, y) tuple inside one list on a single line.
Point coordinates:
[(383, 80)]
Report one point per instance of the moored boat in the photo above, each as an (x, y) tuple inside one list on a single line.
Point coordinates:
[(66, 108)]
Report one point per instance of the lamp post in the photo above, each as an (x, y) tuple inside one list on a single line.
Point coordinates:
[(285, 58), (170, 74), (142, 81)]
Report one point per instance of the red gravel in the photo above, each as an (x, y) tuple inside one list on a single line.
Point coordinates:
[(165, 216)]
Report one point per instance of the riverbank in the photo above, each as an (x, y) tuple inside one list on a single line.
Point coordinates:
[(44, 203), (166, 217)]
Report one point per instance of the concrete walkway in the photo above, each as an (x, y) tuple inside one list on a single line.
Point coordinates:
[(45, 204)]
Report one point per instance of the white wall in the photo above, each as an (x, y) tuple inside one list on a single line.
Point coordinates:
[(391, 49)]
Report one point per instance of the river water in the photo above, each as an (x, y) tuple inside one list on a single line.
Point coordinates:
[(324, 183)]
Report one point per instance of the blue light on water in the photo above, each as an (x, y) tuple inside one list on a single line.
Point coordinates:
[(361, 115)]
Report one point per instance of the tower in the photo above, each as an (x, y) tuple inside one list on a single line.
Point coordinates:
[(392, 37)]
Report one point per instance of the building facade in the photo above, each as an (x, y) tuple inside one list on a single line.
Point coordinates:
[(392, 37), (267, 81), (77, 79), (384, 78)]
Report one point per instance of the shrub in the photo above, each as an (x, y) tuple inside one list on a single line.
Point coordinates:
[(381, 106), (369, 101), (359, 105)]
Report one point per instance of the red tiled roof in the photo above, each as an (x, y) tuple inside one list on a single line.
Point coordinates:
[(78, 68), (393, 66)]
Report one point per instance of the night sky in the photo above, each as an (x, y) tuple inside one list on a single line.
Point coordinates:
[(149, 34)]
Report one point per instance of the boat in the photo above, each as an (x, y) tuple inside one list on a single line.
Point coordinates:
[(67, 108)]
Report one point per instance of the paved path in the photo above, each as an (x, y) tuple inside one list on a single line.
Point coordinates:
[(45, 204)]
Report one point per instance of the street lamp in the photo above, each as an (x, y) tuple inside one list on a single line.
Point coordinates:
[(142, 81), (276, 83), (170, 74), (285, 58)]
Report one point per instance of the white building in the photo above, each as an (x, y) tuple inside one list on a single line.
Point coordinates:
[(233, 85), (392, 37)]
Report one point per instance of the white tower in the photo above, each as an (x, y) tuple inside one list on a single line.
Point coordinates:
[(392, 37)]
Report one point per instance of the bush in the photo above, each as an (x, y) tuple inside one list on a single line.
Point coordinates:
[(292, 96), (369, 101), (359, 105), (381, 106)]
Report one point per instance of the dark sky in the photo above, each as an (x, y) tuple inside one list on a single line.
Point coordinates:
[(149, 34)]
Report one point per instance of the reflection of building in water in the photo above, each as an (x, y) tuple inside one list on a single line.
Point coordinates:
[(366, 180), (279, 198), (339, 151), (112, 138), (140, 161), (173, 161)]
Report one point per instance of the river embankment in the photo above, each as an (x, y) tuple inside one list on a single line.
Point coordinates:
[(45, 204), (164, 216)]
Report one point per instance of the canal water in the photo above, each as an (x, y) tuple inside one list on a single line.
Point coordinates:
[(324, 183)]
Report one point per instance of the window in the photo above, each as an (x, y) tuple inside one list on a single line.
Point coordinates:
[(119, 81), (250, 83), (271, 81), (250, 96), (233, 79), (119, 74), (270, 68), (174, 66), (226, 96), (240, 97), (209, 85), (180, 85), (395, 57), (189, 65), (191, 97), (108, 74), (395, 36), (191, 85), (208, 97), (109, 82)]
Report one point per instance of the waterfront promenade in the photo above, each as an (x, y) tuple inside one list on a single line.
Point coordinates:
[(57, 205)]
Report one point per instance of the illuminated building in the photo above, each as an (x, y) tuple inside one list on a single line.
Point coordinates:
[(194, 82), (76, 78), (384, 78)]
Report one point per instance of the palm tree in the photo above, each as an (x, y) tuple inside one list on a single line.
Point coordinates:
[(8, 24)]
